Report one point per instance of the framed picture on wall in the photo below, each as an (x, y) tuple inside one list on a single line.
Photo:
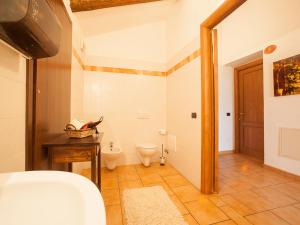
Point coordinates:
[(286, 74)]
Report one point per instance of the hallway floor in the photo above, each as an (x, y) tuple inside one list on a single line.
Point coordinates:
[(249, 194)]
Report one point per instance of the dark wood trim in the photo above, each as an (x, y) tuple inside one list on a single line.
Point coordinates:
[(30, 113), (236, 101), (209, 127), (50, 3), (99, 166), (48, 94), (236, 111), (87, 5), (250, 64)]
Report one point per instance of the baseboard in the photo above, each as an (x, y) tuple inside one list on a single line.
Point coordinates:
[(226, 152), (282, 172)]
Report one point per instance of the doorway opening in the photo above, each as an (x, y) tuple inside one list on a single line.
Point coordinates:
[(247, 140)]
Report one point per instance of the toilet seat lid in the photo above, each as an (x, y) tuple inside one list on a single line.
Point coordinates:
[(147, 146)]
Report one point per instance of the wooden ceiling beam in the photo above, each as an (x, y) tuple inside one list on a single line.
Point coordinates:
[(87, 5)]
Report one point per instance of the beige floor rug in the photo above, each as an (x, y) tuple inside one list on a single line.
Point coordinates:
[(150, 206)]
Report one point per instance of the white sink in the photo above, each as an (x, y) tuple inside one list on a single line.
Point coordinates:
[(49, 198)]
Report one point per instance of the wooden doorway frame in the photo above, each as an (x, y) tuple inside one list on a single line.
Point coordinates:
[(209, 96), (236, 101)]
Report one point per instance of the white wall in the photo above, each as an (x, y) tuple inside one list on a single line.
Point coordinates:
[(251, 28), (183, 23), (77, 71), (125, 37), (77, 93), (112, 19), (176, 21), (280, 111), (184, 86), (144, 42), (77, 74), (77, 81), (183, 98), (12, 113), (226, 105), (132, 36), (77, 77), (121, 99)]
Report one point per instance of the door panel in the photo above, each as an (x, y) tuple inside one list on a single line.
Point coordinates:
[(53, 90), (251, 111)]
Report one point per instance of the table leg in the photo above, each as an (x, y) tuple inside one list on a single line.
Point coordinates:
[(50, 159), (99, 167), (93, 165), (70, 167)]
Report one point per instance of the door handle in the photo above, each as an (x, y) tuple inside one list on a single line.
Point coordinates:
[(240, 115)]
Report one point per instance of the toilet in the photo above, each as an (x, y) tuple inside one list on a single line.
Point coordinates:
[(146, 152), (110, 156)]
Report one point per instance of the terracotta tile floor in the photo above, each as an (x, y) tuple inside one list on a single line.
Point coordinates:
[(249, 194)]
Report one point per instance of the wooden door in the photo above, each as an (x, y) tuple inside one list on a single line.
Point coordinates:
[(250, 110)]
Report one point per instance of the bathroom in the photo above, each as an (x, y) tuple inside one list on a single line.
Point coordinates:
[(126, 84), (133, 78)]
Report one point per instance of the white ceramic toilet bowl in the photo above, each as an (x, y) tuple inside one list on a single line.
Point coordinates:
[(146, 152), (111, 156)]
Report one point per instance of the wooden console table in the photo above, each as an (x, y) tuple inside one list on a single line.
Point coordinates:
[(68, 150)]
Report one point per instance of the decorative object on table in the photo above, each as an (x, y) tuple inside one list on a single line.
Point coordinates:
[(77, 129), (163, 133), (286, 74), (92, 125)]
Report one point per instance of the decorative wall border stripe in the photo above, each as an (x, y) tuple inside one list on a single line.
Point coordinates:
[(176, 67), (124, 70), (183, 62), (77, 56)]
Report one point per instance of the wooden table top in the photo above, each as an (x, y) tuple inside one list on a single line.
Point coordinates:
[(63, 140)]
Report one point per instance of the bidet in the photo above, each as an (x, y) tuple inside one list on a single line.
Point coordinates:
[(111, 155)]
